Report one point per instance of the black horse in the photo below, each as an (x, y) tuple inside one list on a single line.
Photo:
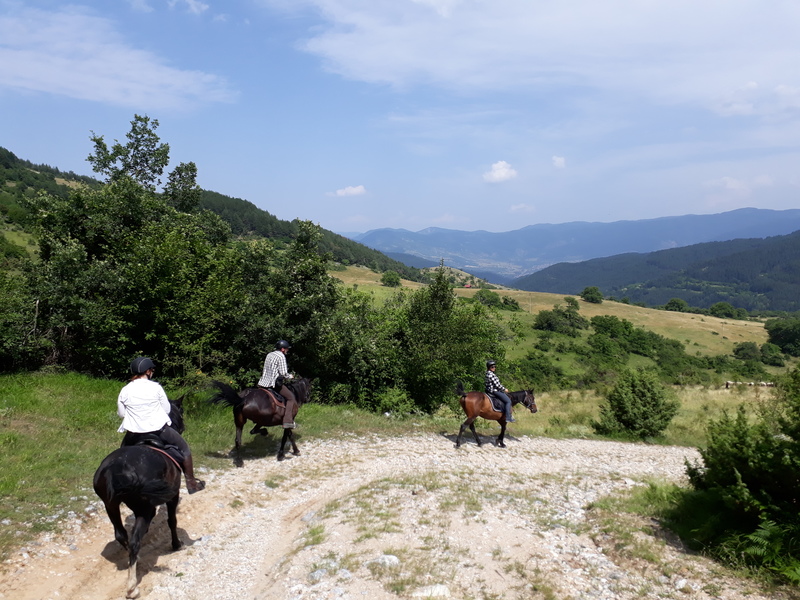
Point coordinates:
[(261, 407), (478, 404), (143, 477)]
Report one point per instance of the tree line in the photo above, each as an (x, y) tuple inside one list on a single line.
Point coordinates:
[(135, 266)]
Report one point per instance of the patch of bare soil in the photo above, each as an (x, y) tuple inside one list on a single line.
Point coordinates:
[(395, 518)]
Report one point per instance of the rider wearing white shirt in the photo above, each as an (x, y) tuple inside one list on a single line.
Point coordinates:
[(144, 408)]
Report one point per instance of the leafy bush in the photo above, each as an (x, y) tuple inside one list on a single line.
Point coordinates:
[(391, 279), (639, 405), (748, 478), (592, 294)]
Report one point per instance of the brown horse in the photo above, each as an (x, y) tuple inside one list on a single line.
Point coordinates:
[(261, 407), (478, 404)]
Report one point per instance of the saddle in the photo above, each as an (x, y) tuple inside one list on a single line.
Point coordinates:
[(497, 404), (151, 439), (275, 395)]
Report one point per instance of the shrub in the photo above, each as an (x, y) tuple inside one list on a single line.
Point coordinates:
[(391, 279), (748, 479), (638, 405)]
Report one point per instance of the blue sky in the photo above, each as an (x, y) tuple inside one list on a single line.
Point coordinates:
[(464, 114)]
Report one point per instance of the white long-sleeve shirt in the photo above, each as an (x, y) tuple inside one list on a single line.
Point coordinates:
[(143, 406)]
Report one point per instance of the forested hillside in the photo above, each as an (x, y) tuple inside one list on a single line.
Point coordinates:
[(20, 178), (754, 274)]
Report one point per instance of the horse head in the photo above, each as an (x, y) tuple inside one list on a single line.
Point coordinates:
[(176, 414), (529, 401), (301, 388)]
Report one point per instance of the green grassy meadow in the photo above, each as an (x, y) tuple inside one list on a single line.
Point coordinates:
[(56, 428)]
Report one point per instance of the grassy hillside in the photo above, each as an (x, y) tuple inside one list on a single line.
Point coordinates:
[(700, 333)]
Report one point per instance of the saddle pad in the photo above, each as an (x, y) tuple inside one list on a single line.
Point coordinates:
[(497, 405)]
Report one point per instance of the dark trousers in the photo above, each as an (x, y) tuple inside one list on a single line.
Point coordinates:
[(291, 405), (506, 402)]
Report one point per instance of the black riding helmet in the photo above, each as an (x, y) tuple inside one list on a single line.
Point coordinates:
[(490, 364), (282, 344), (141, 365)]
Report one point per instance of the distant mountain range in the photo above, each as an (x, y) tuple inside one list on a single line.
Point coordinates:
[(503, 257), (757, 274)]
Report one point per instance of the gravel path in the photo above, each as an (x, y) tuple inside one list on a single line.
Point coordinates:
[(396, 518)]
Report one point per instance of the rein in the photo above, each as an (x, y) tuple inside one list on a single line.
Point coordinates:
[(164, 453)]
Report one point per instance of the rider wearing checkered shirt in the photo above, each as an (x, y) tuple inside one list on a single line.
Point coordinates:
[(496, 389)]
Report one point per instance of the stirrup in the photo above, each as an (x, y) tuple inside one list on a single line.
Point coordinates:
[(198, 486)]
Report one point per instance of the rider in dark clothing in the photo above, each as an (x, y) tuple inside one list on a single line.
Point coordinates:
[(496, 389)]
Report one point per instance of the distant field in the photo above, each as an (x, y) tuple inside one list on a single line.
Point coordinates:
[(700, 334)]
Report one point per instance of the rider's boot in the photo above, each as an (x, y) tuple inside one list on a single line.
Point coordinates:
[(192, 485), (510, 418)]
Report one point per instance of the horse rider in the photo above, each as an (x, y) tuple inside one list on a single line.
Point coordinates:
[(274, 374), (496, 389), (144, 408)]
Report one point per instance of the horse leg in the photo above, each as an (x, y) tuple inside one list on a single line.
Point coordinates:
[(468, 423), (120, 534), (172, 520), (281, 453), (239, 420), (295, 450), (500, 442), (259, 429), (140, 528), (475, 433)]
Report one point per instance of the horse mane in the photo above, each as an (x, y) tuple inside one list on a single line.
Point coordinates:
[(176, 414), (305, 384)]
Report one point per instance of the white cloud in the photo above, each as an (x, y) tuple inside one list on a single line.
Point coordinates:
[(195, 6), (521, 208), (669, 51), (140, 5), (501, 171), (559, 162), (730, 184), (71, 52), (351, 190)]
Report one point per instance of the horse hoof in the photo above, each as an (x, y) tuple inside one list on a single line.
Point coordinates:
[(133, 593), (281, 457)]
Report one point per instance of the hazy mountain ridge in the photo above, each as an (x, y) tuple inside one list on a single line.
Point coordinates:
[(512, 254)]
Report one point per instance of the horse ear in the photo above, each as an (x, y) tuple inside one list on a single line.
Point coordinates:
[(179, 401)]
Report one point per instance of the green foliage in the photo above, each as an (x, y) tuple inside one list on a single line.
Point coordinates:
[(639, 405), (440, 341), (747, 351), (785, 333), (771, 355), (143, 158), (748, 477), (566, 321), (592, 294), (677, 305), (390, 279), (488, 298), (536, 371)]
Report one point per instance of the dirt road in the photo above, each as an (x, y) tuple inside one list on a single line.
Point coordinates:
[(388, 518)]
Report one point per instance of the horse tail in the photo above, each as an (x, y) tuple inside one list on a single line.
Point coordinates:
[(226, 395), (460, 390)]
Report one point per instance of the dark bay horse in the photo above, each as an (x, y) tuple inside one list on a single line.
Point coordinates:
[(257, 405), (478, 404), (144, 478)]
